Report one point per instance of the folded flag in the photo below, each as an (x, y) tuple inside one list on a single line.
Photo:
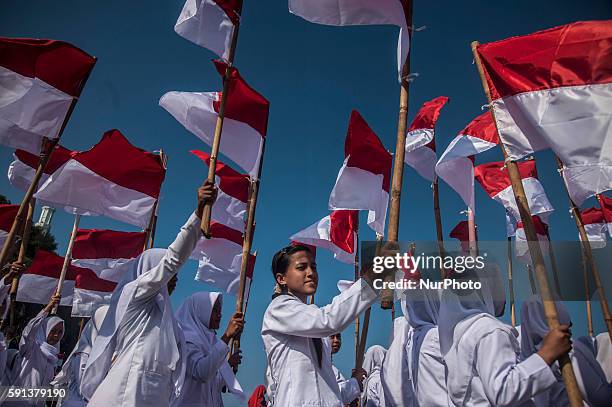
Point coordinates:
[(113, 178), (494, 179), (335, 232), (209, 23), (549, 86), (456, 165), (245, 121), (220, 258), (364, 180), (521, 245), (595, 227), (359, 12), (7, 217), (230, 208), (420, 140), (39, 79), (22, 169)]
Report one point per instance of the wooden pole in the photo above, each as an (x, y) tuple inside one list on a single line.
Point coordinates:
[(553, 265), (511, 284), (439, 232), (386, 296), (550, 309), (67, 259), (205, 224), (357, 278), (587, 293), (532, 283), (473, 245)]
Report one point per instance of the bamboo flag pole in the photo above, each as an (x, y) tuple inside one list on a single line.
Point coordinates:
[(357, 278), (550, 309), (511, 284), (151, 228), (67, 259), (587, 293), (212, 168), (439, 232), (553, 265), (532, 283), (473, 245), (386, 297)]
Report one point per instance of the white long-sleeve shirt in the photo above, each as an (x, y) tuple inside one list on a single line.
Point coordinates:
[(349, 389), (295, 379)]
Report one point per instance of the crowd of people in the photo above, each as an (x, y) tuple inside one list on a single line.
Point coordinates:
[(447, 349)]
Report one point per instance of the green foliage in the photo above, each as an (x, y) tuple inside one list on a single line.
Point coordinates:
[(4, 200)]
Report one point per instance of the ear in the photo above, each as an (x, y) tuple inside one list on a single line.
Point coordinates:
[(280, 279)]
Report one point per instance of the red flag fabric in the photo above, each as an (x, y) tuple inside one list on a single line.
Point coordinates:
[(606, 208), (461, 232), (7, 217), (595, 226)]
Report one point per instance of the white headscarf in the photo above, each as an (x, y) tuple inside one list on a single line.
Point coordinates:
[(168, 344), (50, 351), (193, 317), (372, 364), (394, 374), (534, 326)]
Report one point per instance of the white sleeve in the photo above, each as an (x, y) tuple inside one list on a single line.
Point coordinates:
[(203, 367), (432, 381), (288, 315), (506, 382), (151, 282), (349, 390), (28, 335)]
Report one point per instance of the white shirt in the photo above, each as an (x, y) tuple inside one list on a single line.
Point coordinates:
[(604, 354), (295, 378), (431, 389), (349, 389)]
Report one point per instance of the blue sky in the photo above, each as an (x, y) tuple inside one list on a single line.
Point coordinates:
[(314, 76)]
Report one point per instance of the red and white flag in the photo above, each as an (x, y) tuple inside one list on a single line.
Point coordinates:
[(595, 226), (335, 232), (38, 80), (113, 178), (420, 140), (21, 171), (359, 12), (550, 86), (245, 121), (220, 257), (461, 232), (521, 245), (494, 179), (456, 165), (90, 292), (606, 207), (102, 250), (7, 217), (230, 207), (209, 23), (365, 178)]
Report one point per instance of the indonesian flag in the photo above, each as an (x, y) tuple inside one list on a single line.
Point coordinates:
[(364, 180), (113, 179), (38, 80), (606, 208), (102, 250), (553, 89), (456, 165), (90, 292), (335, 232), (595, 227), (493, 177), (245, 121), (21, 171), (420, 141), (209, 23), (358, 12), (521, 245), (230, 208), (7, 217), (461, 232)]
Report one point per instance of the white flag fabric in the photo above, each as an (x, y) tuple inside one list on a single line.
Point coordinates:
[(335, 232), (358, 12), (494, 179), (21, 170), (35, 94), (456, 165), (230, 207), (220, 258), (420, 139), (595, 227), (245, 122), (549, 86), (113, 178), (521, 245), (364, 180), (7, 217), (209, 23)]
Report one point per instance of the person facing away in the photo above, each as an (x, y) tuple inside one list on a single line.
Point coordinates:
[(292, 331), (136, 358), (373, 393), (349, 389), (603, 353), (595, 389), (482, 354), (38, 351), (72, 370), (208, 369)]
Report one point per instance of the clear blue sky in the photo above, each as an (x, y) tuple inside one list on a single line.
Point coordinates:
[(313, 76)]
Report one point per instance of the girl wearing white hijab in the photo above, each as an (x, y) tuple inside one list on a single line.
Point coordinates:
[(373, 394), (292, 331), (38, 349), (136, 358), (208, 371), (482, 353), (595, 389), (73, 368)]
